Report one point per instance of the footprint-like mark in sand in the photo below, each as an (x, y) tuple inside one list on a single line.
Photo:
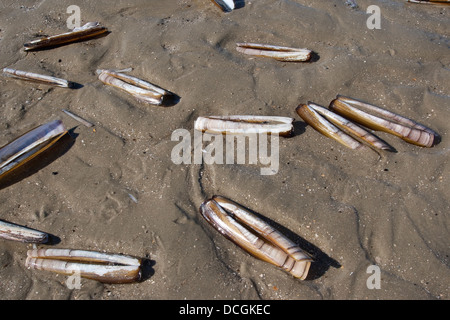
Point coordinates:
[(157, 253), (42, 213), (111, 206)]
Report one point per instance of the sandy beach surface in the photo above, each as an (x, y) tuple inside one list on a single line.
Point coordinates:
[(114, 187)]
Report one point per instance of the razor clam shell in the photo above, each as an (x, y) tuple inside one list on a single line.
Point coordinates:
[(35, 77), (262, 228), (379, 119), (255, 236), (78, 118), (134, 81), (350, 128), (89, 30), (240, 235), (29, 145), (101, 273), (11, 231), (315, 120), (245, 124), (103, 267), (140, 89), (436, 2), (84, 255), (225, 5), (286, 54)]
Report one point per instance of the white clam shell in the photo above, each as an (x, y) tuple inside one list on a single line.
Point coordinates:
[(29, 144), (245, 124), (11, 231), (103, 267)]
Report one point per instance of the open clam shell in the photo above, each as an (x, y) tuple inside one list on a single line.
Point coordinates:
[(245, 124), (103, 267), (255, 236), (286, 54), (325, 127), (225, 5), (39, 78), (89, 30), (11, 231), (358, 133), (29, 145), (140, 89), (379, 119)]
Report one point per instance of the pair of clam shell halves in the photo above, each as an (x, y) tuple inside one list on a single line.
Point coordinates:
[(255, 236), (336, 123)]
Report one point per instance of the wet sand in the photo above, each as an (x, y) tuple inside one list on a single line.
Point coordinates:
[(115, 188)]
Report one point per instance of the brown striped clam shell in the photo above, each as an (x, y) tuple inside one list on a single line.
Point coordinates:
[(255, 236)]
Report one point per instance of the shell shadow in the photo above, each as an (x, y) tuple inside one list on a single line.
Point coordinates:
[(238, 4), (53, 240), (147, 269), (170, 100), (314, 57), (40, 161), (75, 85), (299, 128)]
